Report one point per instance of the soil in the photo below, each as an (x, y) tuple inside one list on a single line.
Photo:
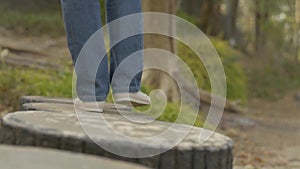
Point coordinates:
[(267, 136)]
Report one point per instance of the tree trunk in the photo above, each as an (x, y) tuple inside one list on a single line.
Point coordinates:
[(192, 7), (206, 15), (212, 21), (257, 26), (262, 17), (155, 78), (232, 6), (297, 28)]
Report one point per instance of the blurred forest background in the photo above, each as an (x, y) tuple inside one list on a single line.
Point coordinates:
[(257, 40)]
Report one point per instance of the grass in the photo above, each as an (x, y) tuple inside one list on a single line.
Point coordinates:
[(235, 76), (171, 114), (171, 111), (237, 87), (33, 23), (16, 82), (36, 17)]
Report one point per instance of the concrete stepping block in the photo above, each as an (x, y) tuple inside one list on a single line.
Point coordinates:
[(63, 130), (39, 158), (59, 104), (44, 99), (53, 123), (60, 107)]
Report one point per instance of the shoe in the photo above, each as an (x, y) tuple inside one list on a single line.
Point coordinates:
[(89, 106), (135, 99)]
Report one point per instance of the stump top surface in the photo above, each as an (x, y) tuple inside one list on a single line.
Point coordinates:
[(37, 158), (43, 99), (100, 126), (53, 123), (66, 107)]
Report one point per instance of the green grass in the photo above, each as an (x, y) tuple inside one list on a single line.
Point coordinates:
[(171, 114), (171, 111), (16, 82), (237, 82), (33, 23), (35, 18), (235, 76)]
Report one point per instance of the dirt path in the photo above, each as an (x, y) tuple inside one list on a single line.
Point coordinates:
[(268, 136), (55, 47)]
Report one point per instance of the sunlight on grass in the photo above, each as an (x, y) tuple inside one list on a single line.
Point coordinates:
[(235, 76), (16, 82), (171, 110)]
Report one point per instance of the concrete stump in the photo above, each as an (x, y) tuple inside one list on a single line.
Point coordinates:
[(59, 104), (38, 158), (55, 125), (43, 99)]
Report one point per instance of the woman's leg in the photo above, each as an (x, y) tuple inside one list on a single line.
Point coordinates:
[(82, 19), (116, 9)]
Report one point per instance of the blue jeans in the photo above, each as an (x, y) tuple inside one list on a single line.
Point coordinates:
[(82, 19)]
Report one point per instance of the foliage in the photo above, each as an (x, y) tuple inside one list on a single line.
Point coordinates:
[(235, 75), (272, 81), (236, 78), (190, 18)]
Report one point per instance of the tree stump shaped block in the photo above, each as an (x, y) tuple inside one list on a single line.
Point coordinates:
[(59, 104), (38, 158), (43, 99), (56, 125)]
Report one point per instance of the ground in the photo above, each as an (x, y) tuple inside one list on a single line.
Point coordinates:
[(266, 136)]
